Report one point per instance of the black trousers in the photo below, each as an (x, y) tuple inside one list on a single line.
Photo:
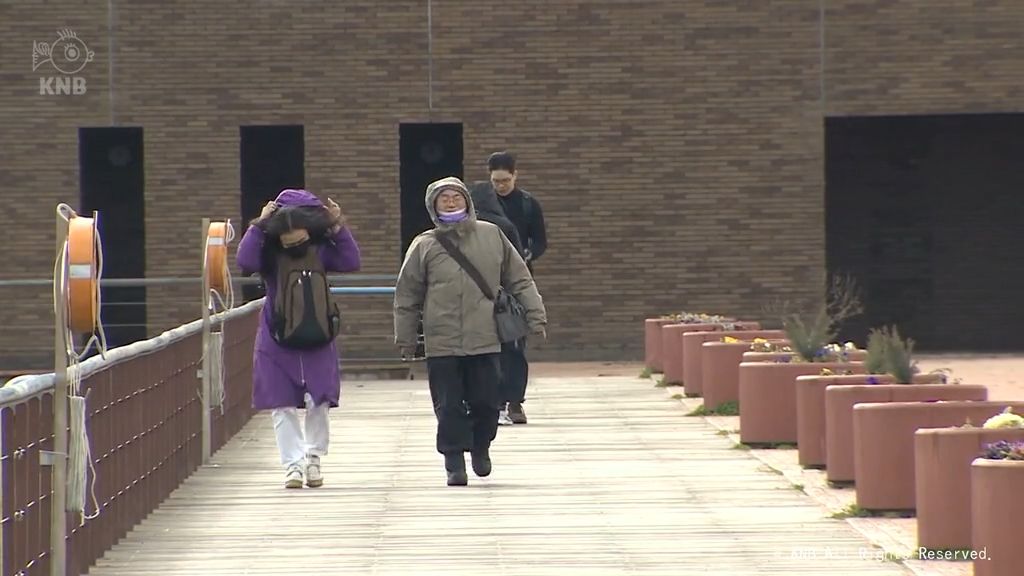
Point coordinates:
[(515, 371), (465, 391)]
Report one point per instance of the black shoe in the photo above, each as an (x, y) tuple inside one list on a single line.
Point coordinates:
[(515, 413), (481, 462), (455, 464)]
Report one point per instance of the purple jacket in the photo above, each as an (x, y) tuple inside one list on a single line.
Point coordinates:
[(281, 376)]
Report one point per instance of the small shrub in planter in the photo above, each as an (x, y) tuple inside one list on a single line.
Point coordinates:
[(888, 353), (811, 329), (874, 363)]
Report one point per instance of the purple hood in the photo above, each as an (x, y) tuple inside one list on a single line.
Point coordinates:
[(292, 197)]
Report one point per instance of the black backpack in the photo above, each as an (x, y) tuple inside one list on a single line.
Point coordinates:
[(304, 317)]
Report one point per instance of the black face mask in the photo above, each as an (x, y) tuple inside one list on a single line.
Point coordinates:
[(298, 250)]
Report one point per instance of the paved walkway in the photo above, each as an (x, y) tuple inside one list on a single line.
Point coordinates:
[(608, 478)]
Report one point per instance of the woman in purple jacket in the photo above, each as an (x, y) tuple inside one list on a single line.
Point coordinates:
[(285, 379)]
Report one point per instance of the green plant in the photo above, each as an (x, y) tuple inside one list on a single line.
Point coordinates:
[(874, 363), (730, 408), (899, 356), (645, 373), (724, 409), (852, 511), (811, 328)]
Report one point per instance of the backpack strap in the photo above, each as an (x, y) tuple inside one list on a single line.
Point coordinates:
[(527, 207), (458, 256)]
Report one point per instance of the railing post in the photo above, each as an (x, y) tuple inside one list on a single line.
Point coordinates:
[(205, 395), (59, 460)]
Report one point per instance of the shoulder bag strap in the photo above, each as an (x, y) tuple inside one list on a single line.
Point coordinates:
[(459, 257)]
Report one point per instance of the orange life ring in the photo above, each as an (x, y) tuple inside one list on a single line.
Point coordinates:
[(82, 274), (217, 257)]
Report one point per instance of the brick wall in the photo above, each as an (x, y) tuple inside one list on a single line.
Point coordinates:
[(676, 145), (924, 56)]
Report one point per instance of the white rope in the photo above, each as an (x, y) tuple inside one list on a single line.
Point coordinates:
[(79, 461), (217, 391)]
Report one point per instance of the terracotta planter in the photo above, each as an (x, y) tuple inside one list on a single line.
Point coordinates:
[(720, 371), (672, 352), (652, 342), (768, 397), (996, 510), (810, 409), (942, 476), (693, 371), (883, 445), (839, 403), (672, 348)]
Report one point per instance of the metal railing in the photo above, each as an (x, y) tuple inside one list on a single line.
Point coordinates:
[(26, 344), (188, 280), (145, 423), (149, 428)]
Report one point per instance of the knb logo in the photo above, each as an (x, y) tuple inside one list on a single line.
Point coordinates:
[(68, 55)]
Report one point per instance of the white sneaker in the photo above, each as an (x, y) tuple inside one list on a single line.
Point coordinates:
[(293, 478), (503, 419), (314, 479)]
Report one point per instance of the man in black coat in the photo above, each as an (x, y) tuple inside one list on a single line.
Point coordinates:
[(489, 209), (524, 212)]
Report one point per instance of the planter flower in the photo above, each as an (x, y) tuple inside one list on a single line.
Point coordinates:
[(1004, 450), (830, 353), (652, 334), (996, 508), (1007, 419), (770, 347)]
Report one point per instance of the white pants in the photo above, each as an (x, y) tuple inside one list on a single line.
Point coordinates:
[(290, 441)]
